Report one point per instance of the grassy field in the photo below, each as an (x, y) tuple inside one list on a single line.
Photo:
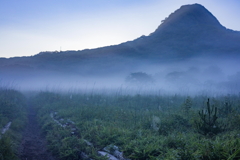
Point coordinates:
[(141, 127), (12, 121)]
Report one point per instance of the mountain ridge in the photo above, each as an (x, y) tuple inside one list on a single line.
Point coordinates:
[(195, 14), (188, 32), (188, 25)]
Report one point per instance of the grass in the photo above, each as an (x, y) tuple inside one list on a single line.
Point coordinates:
[(142, 126), (12, 109)]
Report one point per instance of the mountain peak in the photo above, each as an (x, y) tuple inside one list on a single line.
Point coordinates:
[(193, 16), (187, 32)]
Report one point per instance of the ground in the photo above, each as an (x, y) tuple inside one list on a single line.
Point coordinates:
[(33, 145)]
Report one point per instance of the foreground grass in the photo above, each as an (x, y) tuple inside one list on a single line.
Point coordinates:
[(13, 110), (142, 126)]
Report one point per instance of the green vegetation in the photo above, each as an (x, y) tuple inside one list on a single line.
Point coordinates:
[(139, 78), (141, 126), (208, 125), (12, 116)]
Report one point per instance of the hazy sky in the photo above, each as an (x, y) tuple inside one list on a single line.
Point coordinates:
[(30, 26)]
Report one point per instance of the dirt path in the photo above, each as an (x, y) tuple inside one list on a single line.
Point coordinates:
[(33, 146)]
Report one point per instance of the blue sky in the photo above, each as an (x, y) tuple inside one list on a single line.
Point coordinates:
[(28, 27)]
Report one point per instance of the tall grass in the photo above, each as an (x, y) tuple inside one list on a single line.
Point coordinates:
[(142, 126), (12, 109)]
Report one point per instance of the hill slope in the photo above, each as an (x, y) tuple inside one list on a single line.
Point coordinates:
[(189, 32)]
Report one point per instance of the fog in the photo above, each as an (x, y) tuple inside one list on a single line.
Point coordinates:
[(208, 76)]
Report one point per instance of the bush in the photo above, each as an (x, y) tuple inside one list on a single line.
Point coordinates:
[(208, 124)]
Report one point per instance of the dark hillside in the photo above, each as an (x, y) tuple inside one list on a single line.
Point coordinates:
[(190, 32)]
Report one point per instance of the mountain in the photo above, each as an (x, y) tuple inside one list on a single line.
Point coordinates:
[(189, 32)]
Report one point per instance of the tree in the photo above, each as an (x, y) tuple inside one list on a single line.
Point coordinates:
[(139, 78), (208, 125)]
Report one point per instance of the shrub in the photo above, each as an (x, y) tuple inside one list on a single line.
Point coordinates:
[(208, 124)]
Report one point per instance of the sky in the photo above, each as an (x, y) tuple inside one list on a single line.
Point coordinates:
[(28, 27)]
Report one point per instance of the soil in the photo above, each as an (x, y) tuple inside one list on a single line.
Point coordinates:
[(33, 145)]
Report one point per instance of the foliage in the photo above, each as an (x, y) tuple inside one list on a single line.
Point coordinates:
[(208, 124), (6, 149), (12, 109), (187, 105), (137, 125), (139, 78)]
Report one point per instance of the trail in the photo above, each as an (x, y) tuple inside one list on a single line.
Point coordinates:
[(33, 145)]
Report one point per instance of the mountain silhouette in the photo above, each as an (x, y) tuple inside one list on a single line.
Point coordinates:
[(190, 17), (191, 31)]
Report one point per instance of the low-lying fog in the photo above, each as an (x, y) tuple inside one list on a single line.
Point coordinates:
[(195, 76)]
